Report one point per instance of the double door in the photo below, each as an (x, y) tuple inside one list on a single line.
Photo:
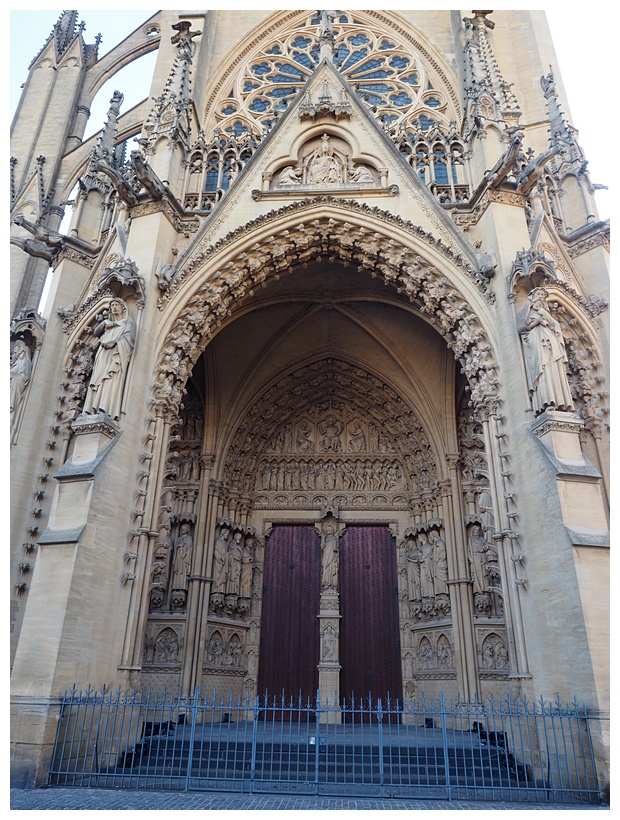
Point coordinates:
[(369, 639)]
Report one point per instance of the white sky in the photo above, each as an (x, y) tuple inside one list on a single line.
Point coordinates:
[(584, 63)]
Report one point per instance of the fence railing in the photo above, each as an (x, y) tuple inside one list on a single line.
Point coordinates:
[(495, 750)]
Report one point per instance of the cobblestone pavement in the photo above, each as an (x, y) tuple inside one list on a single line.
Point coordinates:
[(59, 799)]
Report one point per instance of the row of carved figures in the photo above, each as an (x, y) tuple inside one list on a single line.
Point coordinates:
[(340, 475)]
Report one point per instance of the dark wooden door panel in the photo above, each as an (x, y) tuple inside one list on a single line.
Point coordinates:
[(289, 651), (369, 629)]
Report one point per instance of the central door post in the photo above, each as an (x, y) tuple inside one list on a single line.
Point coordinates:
[(329, 531)]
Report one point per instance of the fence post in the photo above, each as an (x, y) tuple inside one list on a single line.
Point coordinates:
[(381, 762), (317, 739), (254, 741), (192, 733), (444, 740)]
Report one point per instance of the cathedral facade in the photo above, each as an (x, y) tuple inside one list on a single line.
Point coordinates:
[(321, 403)]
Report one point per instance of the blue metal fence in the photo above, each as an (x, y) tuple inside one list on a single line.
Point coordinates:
[(495, 750)]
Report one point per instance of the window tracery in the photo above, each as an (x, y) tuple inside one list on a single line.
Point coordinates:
[(399, 86)]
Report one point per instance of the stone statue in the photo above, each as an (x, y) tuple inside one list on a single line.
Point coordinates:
[(329, 558), (21, 369), (477, 549), (439, 560), (247, 559), (117, 335), (220, 561), (414, 569), (427, 588), (234, 564), (545, 355), (182, 560), (289, 176), (324, 166)]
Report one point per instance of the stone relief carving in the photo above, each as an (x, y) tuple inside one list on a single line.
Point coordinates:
[(494, 655), (545, 355), (166, 648), (117, 334), (21, 370), (224, 649)]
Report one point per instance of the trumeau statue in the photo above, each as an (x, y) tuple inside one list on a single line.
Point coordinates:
[(330, 558), (21, 369), (117, 335), (545, 355)]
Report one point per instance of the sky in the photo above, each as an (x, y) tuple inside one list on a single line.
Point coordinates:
[(578, 62)]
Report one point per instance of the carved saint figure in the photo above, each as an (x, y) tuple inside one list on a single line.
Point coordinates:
[(545, 355), (234, 564), (426, 567), (477, 549), (414, 569), (215, 649), (331, 429), (329, 644), (182, 560), (324, 165), (439, 558), (117, 335), (357, 438), (329, 558), (247, 558), (220, 560), (21, 369)]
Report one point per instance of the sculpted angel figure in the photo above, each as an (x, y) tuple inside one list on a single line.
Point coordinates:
[(117, 334)]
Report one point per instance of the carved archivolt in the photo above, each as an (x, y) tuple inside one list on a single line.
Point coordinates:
[(447, 309)]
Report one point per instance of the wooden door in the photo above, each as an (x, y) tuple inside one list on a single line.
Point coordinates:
[(289, 644), (370, 653)]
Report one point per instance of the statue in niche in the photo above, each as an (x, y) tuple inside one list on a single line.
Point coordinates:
[(215, 650), (439, 560), (427, 588), (247, 561), (444, 653), (21, 370), (117, 334), (329, 644), (494, 653), (220, 561), (329, 552), (289, 176), (166, 647), (425, 654), (304, 442), (414, 570), (182, 559), (234, 564), (331, 429), (545, 355), (234, 651), (357, 438), (477, 552), (324, 166)]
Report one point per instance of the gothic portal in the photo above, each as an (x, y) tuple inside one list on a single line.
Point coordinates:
[(320, 399)]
